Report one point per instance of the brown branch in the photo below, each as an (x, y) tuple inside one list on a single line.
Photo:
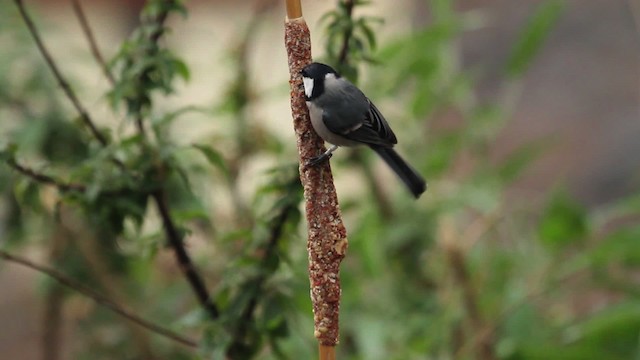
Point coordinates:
[(44, 179), (88, 33), (381, 199), (52, 323), (343, 58), (242, 92), (157, 24), (59, 184), (159, 196), (383, 203), (482, 337), (96, 262), (327, 236), (98, 298), (84, 115), (483, 342), (171, 231), (182, 256), (246, 316)]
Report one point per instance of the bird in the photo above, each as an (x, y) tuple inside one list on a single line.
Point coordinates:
[(342, 115)]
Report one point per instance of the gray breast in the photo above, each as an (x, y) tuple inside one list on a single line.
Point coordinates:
[(321, 128), (340, 109)]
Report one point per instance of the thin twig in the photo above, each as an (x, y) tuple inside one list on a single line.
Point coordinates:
[(44, 179), (59, 184), (382, 201), (88, 33), (52, 323), (182, 256), (376, 188), (247, 314), (159, 196), (84, 115), (96, 261), (483, 342), (157, 24), (98, 298), (343, 58), (171, 231)]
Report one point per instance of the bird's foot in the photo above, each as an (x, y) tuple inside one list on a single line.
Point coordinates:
[(316, 160)]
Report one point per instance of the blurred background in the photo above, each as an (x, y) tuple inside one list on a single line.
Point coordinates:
[(570, 114)]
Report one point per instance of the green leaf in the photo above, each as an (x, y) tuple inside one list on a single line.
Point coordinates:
[(519, 160), (443, 151), (273, 320), (214, 157), (564, 221), (8, 152), (329, 17), (195, 213), (181, 68), (368, 33), (533, 36), (615, 329), (27, 193), (621, 247)]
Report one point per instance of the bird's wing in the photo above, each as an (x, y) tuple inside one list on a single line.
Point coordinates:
[(365, 126), (349, 113), (379, 125)]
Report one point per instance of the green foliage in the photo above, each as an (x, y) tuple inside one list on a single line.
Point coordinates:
[(214, 157), (349, 40), (564, 221), (533, 36), (422, 279), (143, 66)]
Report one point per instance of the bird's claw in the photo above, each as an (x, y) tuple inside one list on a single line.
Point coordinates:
[(316, 160)]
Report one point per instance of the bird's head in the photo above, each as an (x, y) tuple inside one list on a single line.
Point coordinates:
[(313, 77)]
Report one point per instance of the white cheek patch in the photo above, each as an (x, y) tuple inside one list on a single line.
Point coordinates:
[(308, 86)]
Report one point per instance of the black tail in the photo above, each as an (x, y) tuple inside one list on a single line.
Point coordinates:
[(416, 184)]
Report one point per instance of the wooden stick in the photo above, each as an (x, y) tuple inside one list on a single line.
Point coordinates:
[(327, 237), (294, 9), (327, 352)]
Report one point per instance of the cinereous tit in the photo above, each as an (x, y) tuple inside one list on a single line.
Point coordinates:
[(343, 116)]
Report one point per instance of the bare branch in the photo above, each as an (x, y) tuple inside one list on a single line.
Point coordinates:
[(182, 256), (101, 300), (344, 50), (52, 323), (84, 115), (384, 205), (270, 248), (159, 196), (483, 341), (59, 184), (157, 24), (88, 33), (44, 179)]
